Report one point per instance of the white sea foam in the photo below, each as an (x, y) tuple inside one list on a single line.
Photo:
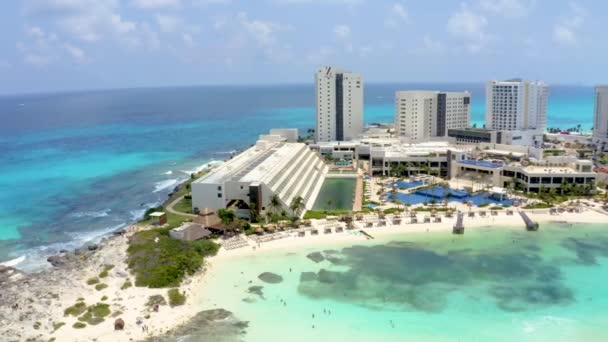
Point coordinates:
[(165, 184), (98, 213), (208, 165), (168, 172), (14, 262), (34, 259)]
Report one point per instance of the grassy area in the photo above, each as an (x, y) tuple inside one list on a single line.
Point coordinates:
[(95, 314), (184, 205), (100, 287), (314, 214), (157, 260), (92, 281), (392, 210), (75, 310), (79, 325), (176, 298), (539, 205)]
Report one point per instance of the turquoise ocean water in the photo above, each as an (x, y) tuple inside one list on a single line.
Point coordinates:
[(492, 284), (74, 166)]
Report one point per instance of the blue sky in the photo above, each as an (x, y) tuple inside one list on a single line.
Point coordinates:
[(55, 45)]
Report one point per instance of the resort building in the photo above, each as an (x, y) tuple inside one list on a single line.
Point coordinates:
[(516, 105), (600, 117), (420, 115), (248, 181), (468, 136), (520, 167), (339, 103)]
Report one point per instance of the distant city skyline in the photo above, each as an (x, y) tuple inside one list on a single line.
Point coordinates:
[(65, 45)]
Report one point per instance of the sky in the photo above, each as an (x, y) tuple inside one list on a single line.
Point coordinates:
[(59, 45)]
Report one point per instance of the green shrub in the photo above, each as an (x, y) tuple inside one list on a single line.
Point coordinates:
[(156, 300), (100, 287), (104, 298), (57, 325), (92, 281), (166, 262), (483, 205), (79, 325), (539, 205), (75, 310), (95, 313), (126, 285), (176, 298)]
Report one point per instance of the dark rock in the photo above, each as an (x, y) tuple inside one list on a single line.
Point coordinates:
[(63, 251), (56, 260), (308, 276), (270, 278), (257, 290), (93, 247), (316, 257)]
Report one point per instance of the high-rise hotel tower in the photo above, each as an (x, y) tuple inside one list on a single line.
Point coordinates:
[(516, 104), (339, 95)]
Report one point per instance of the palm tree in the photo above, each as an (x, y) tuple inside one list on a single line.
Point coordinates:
[(275, 203), (297, 205)]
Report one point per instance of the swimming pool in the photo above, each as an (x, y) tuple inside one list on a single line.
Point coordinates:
[(436, 194), (407, 185), (484, 163)]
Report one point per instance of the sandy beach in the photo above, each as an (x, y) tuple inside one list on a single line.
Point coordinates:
[(33, 305)]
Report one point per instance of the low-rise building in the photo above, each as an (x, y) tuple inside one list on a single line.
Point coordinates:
[(273, 166), (468, 136)]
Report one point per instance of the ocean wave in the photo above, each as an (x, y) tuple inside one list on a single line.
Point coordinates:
[(34, 259), (13, 262), (208, 165), (99, 213), (165, 184), (539, 324), (168, 172), (137, 214), (226, 152)]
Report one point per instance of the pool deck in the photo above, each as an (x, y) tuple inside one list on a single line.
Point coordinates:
[(358, 202)]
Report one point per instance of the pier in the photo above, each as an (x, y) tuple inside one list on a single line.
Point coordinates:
[(367, 235), (459, 226), (530, 225)]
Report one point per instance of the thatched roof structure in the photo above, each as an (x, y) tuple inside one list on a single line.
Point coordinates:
[(119, 324)]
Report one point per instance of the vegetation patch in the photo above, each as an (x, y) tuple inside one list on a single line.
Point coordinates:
[(538, 205), (176, 298), (156, 300), (95, 314), (93, 281), (106, 269), (100, 287), (392, 210), (79, 325), (161, 261), (104, 298), (75, 310), (57, 325), (314, 214), (126, 285)]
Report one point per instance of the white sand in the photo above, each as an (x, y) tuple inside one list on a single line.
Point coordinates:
[(70, 285)]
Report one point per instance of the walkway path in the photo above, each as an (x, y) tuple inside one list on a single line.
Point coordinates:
[(358, 194), (170, 209)]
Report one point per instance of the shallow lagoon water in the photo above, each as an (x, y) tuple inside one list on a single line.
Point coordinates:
[(490, 284)]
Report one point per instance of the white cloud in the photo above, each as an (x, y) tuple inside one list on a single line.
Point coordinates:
[(323, 2), (509, 8), (431, 45), (187, 39), (156, 4), (37, 60), (565, 31), (76, 53), (168, 23), (467, 24), (263, 32), (342, 31), (397, 15)]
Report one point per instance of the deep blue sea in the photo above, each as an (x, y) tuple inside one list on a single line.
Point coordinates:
[(74, 166)]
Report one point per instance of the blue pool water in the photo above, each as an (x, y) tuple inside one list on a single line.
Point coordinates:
[(408, 185), (483, 163), (437, 193)]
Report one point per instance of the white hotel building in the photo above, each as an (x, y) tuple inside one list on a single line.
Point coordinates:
[(420, 115), (272, 166), (339, 102), (514, 105), (600, 117)]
